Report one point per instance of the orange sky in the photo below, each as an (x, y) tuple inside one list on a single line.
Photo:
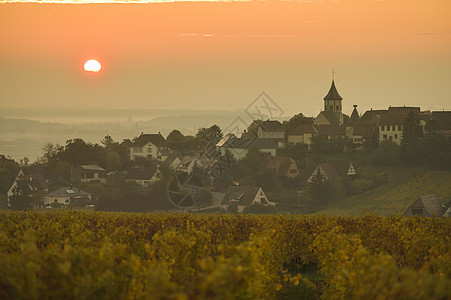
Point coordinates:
[(222, 55)]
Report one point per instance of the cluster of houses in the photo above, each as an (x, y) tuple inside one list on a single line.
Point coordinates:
[(270, 135)]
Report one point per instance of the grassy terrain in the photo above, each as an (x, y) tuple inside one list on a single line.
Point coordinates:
[(404, 186)]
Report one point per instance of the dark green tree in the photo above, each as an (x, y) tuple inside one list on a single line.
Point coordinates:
[(412, 132), (295, 121), (206, 136)]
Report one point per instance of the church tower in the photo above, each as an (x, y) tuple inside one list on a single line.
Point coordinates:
[(332, 102)]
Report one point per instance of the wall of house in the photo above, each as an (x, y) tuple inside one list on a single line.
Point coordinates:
[(295, 139), (59, 200), (148, 151), (261, 134), (391, 133)]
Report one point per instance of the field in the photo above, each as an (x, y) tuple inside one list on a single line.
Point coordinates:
[(89, 255)]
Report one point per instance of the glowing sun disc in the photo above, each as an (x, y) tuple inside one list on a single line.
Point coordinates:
[(92, 65)]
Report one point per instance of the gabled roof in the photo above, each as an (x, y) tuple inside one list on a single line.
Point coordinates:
[(31, 184), (156, 139), (241, 195), (272, 126), (304, 128), (330, 116), (141, 173), (281, 165), (333, 93), (372, 116), (431, 204), (330, 169), (364, 130), (68, 191)]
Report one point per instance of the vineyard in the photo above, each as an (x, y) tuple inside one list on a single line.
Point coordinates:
[(395, 197), (92, 255)]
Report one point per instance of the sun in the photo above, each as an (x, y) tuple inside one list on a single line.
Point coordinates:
[(92, 65)]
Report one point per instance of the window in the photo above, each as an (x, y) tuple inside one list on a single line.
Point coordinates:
[(388, 127), (293, 171), (67, 201), (149, 149), (55, 200), (393, 127), (385, 136), (382, 128), (331, 108), (338, 108), (396, 136)]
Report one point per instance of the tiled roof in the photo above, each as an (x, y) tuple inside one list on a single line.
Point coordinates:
[(331, 129), (365, 130), (31, 184), (330, 116), (156, 139), (431, 204), (333, 93), (272, 126), (68, 191), (281, 165), (241, 195), (304, 128)]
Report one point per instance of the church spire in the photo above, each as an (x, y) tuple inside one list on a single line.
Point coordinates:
[(333, 93)]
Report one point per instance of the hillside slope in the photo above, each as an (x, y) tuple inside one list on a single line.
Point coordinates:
[(395, 197)]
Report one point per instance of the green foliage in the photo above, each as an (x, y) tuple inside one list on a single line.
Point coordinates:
[(207, 136), (295, 121), (322, 145), (258, 208), (388, 154), (91, 255)]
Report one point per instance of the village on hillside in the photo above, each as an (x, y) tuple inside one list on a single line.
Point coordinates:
[(295, 166)]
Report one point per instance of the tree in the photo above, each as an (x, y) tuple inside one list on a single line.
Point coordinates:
[(295, 121), (175, 137), (19, 200), (107, 142), (412, 132), (206, 136), (258, 208)]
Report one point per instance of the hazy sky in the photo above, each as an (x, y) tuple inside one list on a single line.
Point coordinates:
[(221, 55)]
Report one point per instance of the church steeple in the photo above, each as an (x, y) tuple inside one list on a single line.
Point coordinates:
[(333, 93), (332, 101)]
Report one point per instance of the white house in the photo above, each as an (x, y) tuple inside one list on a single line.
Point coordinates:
[(66, 196), (147, 146)]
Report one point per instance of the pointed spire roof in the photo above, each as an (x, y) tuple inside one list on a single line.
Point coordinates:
[(355, 115), (333, 94)]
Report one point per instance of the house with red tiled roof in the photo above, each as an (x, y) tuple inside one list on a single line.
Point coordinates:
[(281, 166)]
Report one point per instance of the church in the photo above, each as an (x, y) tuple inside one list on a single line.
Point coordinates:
[(332, 113)]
